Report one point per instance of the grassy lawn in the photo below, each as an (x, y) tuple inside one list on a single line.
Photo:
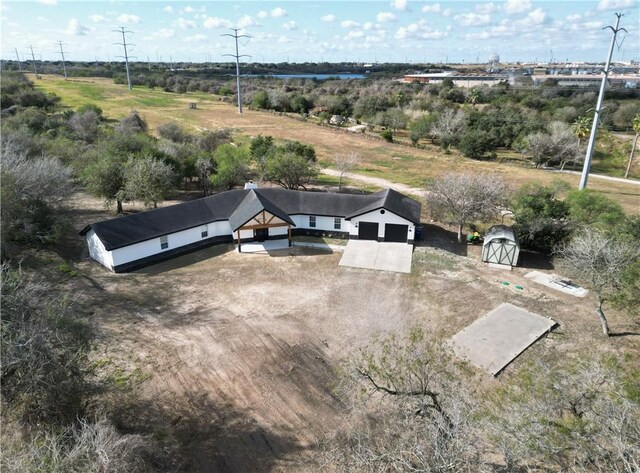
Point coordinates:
[(389, 161)]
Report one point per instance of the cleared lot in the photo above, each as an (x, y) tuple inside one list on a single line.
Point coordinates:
[(232, 358)]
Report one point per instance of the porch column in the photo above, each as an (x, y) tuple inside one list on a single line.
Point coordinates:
[(289, 231), (239, 244)]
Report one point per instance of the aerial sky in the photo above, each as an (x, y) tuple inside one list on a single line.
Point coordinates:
[(316, 31)]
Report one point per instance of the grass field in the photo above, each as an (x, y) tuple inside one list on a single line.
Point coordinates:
[(389, 161)]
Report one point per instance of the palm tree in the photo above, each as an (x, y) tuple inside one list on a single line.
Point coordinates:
[(473, 97), (636, 128), (581, 129)]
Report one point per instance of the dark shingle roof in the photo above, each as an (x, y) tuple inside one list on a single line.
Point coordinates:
[(236, 205)]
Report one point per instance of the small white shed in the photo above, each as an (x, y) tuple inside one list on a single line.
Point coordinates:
[(501, 246)]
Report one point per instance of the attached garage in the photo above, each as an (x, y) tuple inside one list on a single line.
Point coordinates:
[(396, 233), (368, 231)]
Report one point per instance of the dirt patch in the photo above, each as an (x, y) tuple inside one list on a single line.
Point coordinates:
[(236, 354)]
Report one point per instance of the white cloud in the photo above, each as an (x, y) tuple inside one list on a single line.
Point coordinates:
[(97, 18), (263, 14), (399, 4), (278, 12), (435, 8), (367, 26), (246, 21), (162, 33), (290, 25), (516, 6), (283, 39), (216, 22), (48, 2), (506, 30), (75, 28), (126, 18), (574, 17), (385, 16), (349, 23), (419, 30), (168, 9), (473, 19), (537, 16), (593, 25), (354, 34), (487, 8), (193, 10), (613, 4), (328, 18), (447, 12), (196, 38), (184, 24)]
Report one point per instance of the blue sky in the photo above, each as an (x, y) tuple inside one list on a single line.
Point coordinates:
[(314, 31)]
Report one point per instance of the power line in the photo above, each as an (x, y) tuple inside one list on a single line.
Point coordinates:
[(235, 35), (126, 56), (64, 65), (596, 116)]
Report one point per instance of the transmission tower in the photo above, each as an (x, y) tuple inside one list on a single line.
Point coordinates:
[(126, 56), (33, 56), (235, 35), (64, 65), (598, 110), (19, 62)]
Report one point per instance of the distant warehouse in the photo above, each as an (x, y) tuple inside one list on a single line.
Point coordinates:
[(461, 81)]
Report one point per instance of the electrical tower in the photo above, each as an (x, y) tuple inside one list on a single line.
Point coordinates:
[(598, 110), (64, 65), (235, 35), (19, 62), (33, 56), (126, 56)]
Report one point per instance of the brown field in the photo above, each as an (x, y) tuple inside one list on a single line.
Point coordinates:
[(229, 360), (392, 162)]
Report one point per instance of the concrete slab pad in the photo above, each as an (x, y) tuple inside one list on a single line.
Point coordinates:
[(381, 256), (497, 338), (264, 246), (557, 282)]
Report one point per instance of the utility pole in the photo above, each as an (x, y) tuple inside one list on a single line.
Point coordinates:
[(64, 65), (235, 35), (126, 56), (19, 62), (596, 116), (33, 56)]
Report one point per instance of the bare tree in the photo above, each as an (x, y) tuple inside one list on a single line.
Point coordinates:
[(555, 146), (205, 167), (345, 162), (449, 127), (148, 180), (409, 411), (598, 260), (636, 128), (466, 197)]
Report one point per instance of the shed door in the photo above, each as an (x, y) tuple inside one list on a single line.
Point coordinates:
[(396, 232), (501, 252), (368, 231)]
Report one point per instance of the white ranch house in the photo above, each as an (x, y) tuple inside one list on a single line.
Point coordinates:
[(243, 215)]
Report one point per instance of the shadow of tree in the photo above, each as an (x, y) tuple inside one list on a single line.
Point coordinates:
[(533, 260), (435, 236)]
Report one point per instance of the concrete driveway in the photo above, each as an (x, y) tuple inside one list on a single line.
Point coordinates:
[(382, 256)]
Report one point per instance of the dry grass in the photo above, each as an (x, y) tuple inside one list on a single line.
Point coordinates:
[(389, 161)]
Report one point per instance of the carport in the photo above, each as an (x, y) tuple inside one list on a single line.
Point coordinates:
[(383, 256)]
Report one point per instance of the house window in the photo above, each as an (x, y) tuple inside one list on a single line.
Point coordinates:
[(164, 242), (204, 232), (337, 223), (312, 221)]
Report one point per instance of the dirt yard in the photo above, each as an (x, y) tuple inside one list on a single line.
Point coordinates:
[(230, 359)]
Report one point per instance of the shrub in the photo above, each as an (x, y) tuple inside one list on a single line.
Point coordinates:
[(387, 135)]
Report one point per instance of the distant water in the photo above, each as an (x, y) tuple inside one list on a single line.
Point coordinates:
[(316, 76)]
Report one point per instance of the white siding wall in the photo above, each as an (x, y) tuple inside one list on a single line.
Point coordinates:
[(322, 223), (382, 219), (175, 240), (97, 251), (278, 231)]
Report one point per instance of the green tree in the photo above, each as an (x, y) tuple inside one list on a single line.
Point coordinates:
[(232, 166), (261, 148), (290, 170), (421, 127), (261, 100), (541, 218), (148, 180), (473, 97), (105, 178), (476, 144), (582, 128), (587, 207)]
